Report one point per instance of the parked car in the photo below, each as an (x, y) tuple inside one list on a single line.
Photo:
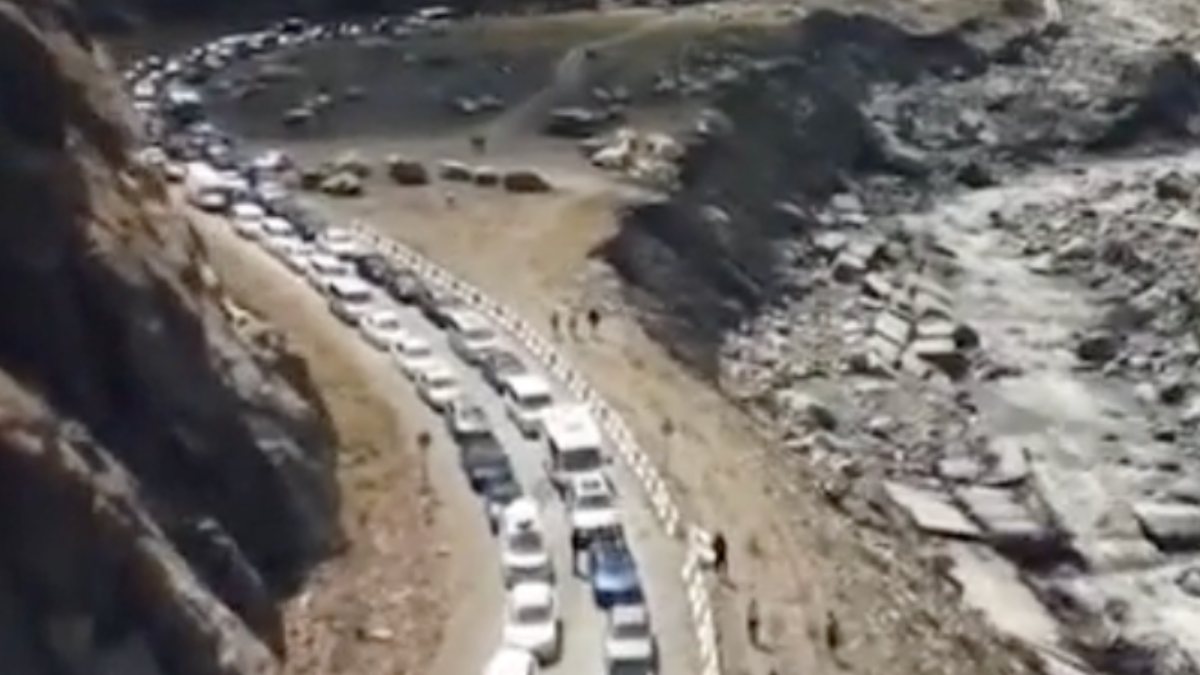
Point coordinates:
[(466, 419), (438, 383), (342, 243), (629, 644), (613, 572), (412, 352), (247, 219), (483, 460), (324, 268), (436, 303), (497, 364), (375, 268), (274, 226), (404, 285), (469, 334), (498, 491), (527, 397), (591, 509), (351, 299), (383, 329), (531, 620), (523, 552), (290, 251), (509, 660)]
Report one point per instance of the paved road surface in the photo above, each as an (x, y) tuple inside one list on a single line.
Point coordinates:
[(474, 629)]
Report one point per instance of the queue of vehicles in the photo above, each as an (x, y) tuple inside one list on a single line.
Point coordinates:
[(354, 281)]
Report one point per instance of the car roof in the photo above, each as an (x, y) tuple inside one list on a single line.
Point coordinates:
[(528, 384), (571, 427), (622, 615), (535, 593), (323, 258), (522, 509), (349, 285), (466, 319), (590, 484), (510, 661)]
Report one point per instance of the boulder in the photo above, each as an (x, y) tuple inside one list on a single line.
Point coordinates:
[(525, 181), (942, 352), (1097, 348), (407, 172), (1170, 526), (1009, 525), (1189, 581), (1172, 186)]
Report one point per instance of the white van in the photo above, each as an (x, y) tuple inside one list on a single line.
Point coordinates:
[(527, 397), (574, 442), (511, 661)]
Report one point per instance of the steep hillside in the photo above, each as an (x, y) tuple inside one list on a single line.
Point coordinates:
[(163, 477)]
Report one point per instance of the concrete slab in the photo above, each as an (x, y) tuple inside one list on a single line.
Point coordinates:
[(931, 510)]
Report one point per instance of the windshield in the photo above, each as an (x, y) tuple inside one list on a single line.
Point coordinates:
[(535, 401), (587, 459), (417, 349), (527, 541), (532, 614), (596, 501), (386, 323), (331, 267), (356, 296), (631, 631), (441, 380), (478, 333), (471, 417)]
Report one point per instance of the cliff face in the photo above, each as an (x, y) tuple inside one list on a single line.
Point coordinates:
[(162, 480)]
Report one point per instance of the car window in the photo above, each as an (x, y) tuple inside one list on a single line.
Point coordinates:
[(581, 460), (527, 541), (532, 614), (630, 631), (595, 501)]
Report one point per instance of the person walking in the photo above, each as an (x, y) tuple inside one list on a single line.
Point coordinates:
[(554, 323), (720, 551), (593, 317), (573, 326), (753, 624)]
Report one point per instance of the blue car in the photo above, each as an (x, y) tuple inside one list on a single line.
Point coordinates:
[(614, 574)]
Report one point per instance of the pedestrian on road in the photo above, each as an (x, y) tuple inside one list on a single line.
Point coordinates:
[(833, 632), (554, 323), (593, 317), (573, 325), (720, 551), (424, 440), (753, 624)]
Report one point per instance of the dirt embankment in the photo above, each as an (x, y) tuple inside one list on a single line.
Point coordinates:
[(163, 479)]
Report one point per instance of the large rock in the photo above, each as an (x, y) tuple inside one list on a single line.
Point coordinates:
[(1170, 525), (132, 406)]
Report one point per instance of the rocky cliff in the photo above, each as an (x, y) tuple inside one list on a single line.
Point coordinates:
[(163, 479)]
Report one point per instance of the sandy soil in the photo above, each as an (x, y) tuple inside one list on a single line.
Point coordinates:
[(380, 607)]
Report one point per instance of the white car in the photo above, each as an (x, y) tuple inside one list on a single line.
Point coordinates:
[(412, 353), (469, 334), (323, 268), (629, 644), (438, 384), (341, 242), (591, 504), (511, 661), (382, 329), (523, 552), (351, 299), (531, 620), (527, 397), (247, 219), (290, 251), (276, 227)]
